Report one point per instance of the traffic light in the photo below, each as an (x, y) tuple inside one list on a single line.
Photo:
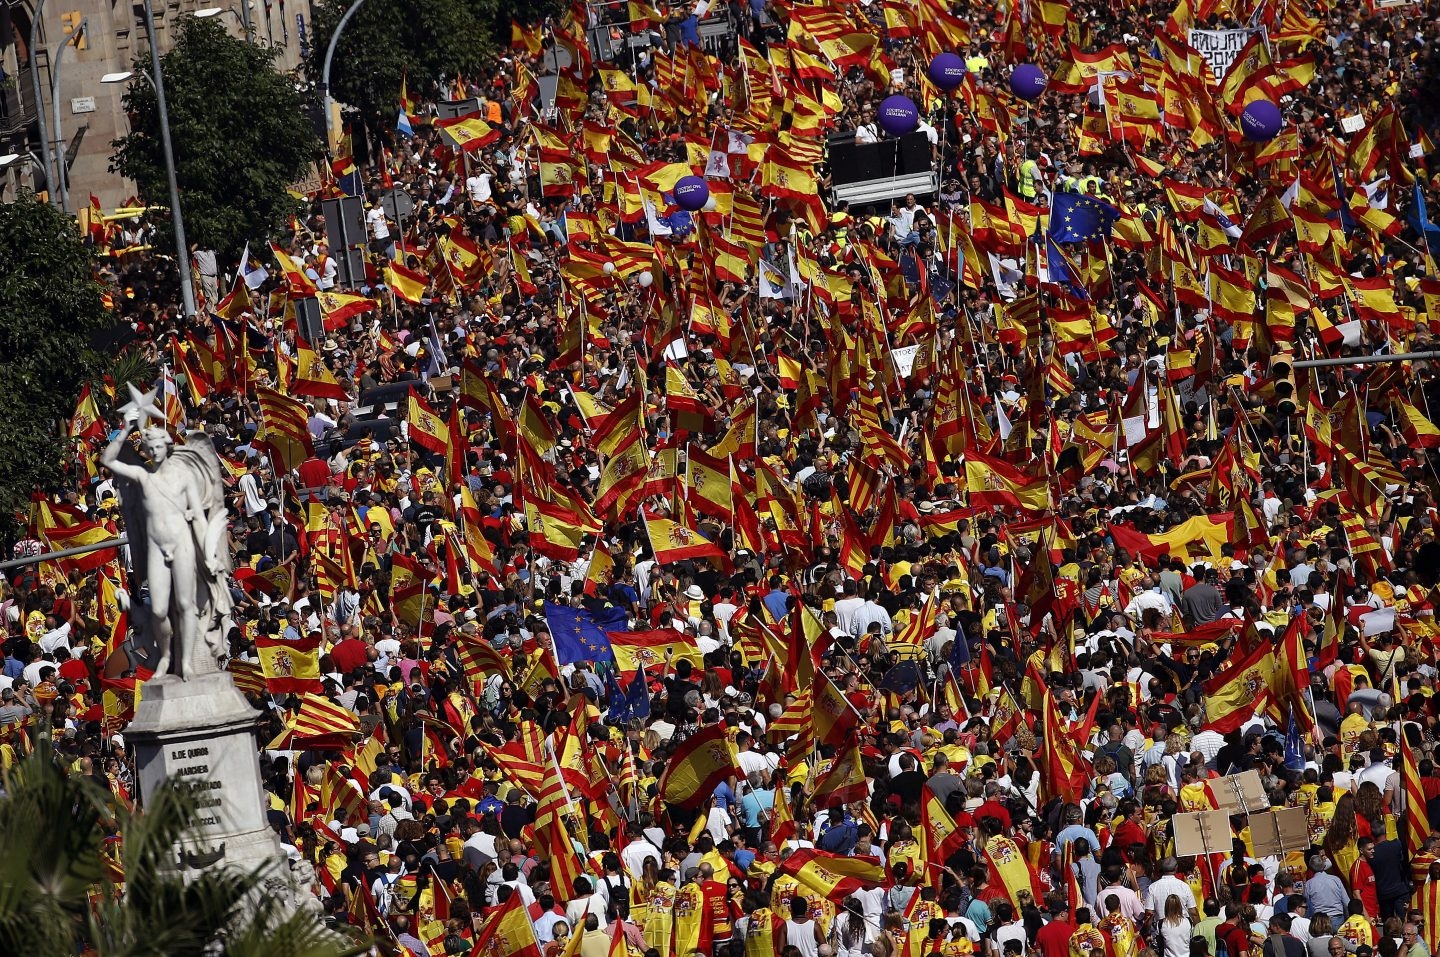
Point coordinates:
[(1282, 375)]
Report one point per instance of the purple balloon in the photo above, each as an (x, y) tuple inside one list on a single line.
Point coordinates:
[(1261, 121), (691, 193), (947, 71), (898, 115), (1028, 81)]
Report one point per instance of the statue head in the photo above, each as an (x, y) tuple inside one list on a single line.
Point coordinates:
[(157, 443)]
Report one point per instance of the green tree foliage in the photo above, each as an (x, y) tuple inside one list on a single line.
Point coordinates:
[(240, 134), (53, 831), (420, 40), (50, 305)]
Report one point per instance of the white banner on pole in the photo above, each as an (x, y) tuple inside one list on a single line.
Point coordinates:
[(1219, 48)]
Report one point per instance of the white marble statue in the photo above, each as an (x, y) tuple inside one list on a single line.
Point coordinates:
[(175, 518)]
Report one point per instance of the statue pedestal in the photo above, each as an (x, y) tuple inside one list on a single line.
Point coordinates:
[(202, 732)]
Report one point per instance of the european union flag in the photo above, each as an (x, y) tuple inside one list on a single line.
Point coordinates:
[(628, 703), (579, 635), (1061, 271), (903, 676), (1077, 218), (1420, 220)]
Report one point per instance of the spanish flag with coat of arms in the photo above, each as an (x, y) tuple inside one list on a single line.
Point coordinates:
[(290, 667), (698, 767), (1009, 869)]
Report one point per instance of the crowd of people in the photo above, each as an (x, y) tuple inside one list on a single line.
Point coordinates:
[(786, 578)]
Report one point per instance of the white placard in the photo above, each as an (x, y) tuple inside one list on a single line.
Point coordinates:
[(82, 104), (1352, 124), (1416, 151), (904, 360), (1219, 48)]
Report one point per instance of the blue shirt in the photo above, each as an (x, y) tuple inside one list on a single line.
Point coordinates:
[(1074, 832), (753, 803), (979, 914), (778, 604)]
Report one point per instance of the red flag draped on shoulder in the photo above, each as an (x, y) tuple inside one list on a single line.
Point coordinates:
[(702, 763)]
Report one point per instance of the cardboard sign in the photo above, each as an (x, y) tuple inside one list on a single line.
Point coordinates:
[(1279, 831), (1241, 793), (1202, 832)]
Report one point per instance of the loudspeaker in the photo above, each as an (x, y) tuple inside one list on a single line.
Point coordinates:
[(914, 152), (310, 321), (450, 109), (345, 233)]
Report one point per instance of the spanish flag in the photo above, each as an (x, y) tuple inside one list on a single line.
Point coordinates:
[(700, 765), (407, 590), (708, 478), (844, 782), (408, 284), (647, 649), (1236, 693), (833, 876), (939, 835), (673, 542), (554, 532), (290, 667), (301, 287), (507, 932), (1419, 431), (427, 429), (833, 718), (995, 483), (1066, 773), (311, 377), (1009, 869)]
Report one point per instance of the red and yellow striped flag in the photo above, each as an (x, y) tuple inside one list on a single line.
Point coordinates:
[(1417, 818)]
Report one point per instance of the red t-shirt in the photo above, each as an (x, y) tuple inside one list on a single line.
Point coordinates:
[(1053, 940), (349, 655)]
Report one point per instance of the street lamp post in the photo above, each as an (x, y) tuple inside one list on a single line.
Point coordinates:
[(243, 15), (61, 186), (182, 249), (40, 98), (326, 100)]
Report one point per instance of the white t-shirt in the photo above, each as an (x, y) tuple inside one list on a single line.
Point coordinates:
[(478, 186), (375, 218)]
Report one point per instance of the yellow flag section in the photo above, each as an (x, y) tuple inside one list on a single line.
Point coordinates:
[(507, 933), (702, 763)]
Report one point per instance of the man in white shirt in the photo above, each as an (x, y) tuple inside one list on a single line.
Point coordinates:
[(638, 851), (1168, 884)]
